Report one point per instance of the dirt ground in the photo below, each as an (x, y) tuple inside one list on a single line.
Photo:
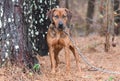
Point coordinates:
[(93, 49)]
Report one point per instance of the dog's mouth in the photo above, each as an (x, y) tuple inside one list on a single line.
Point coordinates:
[(61, 26)]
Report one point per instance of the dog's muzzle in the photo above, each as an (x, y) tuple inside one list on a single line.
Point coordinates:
[(60, 25)]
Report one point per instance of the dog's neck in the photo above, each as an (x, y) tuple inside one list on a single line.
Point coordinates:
[(55, 31)]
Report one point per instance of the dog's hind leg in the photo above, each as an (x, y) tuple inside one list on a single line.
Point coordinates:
[(76, 56), (67, 58)]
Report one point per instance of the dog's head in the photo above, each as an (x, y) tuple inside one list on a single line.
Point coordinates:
[(60, 17)]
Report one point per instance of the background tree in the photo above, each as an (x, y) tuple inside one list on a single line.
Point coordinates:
[(90, 14), (67, 4), (117, 16), (108, 21)]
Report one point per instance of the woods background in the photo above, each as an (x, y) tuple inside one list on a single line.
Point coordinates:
[(23, 29), (24, 24)]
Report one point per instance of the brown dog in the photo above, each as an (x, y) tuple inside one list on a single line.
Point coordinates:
[(57, 39)]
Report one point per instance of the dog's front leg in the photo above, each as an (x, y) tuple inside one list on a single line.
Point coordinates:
[(52, 59), (67, 58)]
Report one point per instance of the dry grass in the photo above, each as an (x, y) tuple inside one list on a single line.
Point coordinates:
[(91, 46)]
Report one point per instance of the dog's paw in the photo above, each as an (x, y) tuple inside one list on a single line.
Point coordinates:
[(52, 71)]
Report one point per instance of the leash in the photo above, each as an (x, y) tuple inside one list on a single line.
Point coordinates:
[(87, 62)]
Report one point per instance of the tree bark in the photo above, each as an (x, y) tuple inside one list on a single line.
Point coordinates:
[(67, 4), (90, 14), (117, 17), (14, 42)]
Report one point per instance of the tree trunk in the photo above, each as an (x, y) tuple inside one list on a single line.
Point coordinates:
[(14, 42), (117, 17), (67, 4), (109, 22), (116, 21), (90, 14)]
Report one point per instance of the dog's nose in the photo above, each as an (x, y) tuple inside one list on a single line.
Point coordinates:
[(60, 25)]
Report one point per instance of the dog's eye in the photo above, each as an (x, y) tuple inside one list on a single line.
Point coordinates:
[(56, 16), (64, 16)]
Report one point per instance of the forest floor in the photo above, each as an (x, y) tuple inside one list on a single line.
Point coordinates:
[(93, 49)]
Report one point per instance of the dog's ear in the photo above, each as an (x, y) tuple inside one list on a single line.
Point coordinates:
[(69, 13), (50, 14)]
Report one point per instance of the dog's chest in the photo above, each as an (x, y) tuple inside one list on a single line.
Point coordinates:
[(58, 38)]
